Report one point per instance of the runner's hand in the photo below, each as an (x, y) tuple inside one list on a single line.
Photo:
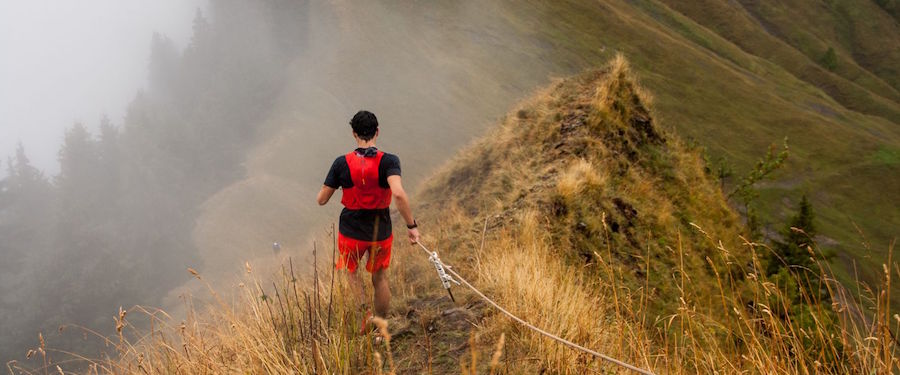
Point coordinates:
[(413, 236)]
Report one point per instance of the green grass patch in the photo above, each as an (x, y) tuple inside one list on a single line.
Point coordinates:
[(887, 156)]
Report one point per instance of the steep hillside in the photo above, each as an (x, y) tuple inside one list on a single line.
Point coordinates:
[(579, 214), (861, 70)]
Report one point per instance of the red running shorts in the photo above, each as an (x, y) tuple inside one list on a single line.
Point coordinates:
[(352, 250)]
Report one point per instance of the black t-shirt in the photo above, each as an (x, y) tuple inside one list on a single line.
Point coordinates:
[(364, 225)]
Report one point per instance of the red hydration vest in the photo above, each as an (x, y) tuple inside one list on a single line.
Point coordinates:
[(365, 193)]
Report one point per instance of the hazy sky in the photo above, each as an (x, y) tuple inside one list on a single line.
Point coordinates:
[(67, 61)]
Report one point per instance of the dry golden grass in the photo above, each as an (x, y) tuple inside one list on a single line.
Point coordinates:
[(284, 329), (526, 277), (579, 175), (521, 271), (519, 268)]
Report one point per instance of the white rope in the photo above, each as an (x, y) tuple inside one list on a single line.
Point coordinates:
[(529, 325)]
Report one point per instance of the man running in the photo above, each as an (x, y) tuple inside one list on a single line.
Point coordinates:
[(369, 178)]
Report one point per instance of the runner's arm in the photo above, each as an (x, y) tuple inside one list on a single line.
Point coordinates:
[(402, 202), (325, 194)]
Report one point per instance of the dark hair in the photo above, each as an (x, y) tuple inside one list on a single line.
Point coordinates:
[(364, 124)]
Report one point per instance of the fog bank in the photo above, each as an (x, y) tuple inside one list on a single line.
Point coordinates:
[(74, 61)]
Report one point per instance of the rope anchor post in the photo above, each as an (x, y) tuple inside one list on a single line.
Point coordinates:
[(442, 274)]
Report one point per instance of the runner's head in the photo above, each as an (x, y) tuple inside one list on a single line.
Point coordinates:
[(364, 124)]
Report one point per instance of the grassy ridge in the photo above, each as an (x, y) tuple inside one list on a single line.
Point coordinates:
[(582, 170)]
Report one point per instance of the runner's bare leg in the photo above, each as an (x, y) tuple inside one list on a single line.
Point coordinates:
[(382, 293)]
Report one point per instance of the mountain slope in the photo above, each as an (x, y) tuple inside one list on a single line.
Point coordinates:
[(576, 213)]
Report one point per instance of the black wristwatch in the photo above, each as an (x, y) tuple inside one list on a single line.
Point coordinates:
[(413, 225)]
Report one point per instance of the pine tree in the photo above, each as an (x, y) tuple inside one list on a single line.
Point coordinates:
[(26, 203), (78, 165), (20, 168), (796, 238), (27, 189), (793, 255), (829, 59), (80, 173)]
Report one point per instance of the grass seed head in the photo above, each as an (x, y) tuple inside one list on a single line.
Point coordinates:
[(495, 359)]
